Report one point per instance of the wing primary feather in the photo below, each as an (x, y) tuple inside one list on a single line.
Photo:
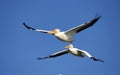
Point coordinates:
[(43, 58), (81, 27), (28, 27), (59, 53), (96, 59), (31, 28), (55, 54), (88, 24)]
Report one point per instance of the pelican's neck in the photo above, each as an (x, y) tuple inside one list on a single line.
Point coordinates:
[(53, 32), (69, 46)]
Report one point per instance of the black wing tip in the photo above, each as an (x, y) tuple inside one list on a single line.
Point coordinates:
[(28, 27), (39, 58), (95, 19), (96, 59), (100, 60), (24, 23), (97, 16), (42, 58)]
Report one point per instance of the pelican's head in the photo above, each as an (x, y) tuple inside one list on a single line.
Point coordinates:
[(69, 46), (54, 31)]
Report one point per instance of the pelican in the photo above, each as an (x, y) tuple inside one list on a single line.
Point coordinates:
[(66, 36), (73, 51)]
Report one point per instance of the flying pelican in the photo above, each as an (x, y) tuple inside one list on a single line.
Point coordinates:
[(66, 36), (74, 51)]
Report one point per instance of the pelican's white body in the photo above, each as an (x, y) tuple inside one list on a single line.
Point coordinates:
[(63, 37), (74, 51)]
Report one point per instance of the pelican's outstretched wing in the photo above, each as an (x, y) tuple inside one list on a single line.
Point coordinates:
[(90, 56), (30, 28), (55, 54), (81, 27)]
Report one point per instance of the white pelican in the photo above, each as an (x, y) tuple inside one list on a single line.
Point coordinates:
[(66, 36), (74, 51)]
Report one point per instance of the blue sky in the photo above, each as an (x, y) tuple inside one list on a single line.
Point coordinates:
[(20, 47)]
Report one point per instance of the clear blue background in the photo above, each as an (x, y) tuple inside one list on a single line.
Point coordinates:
[(20, 47)]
